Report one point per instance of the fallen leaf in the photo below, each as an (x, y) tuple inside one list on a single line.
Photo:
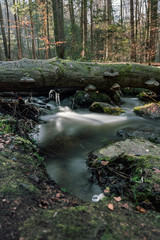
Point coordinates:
[(1, 146), (117, 199), (58, 195), (140, 209), (104, 163), (156, 170), (110, 206), (125, 205)]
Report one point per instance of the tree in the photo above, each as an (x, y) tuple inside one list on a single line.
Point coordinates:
[(9, 31), (57, 6), (73, 29), (17, 33), (3, 34), (32, 30), (132, 56)]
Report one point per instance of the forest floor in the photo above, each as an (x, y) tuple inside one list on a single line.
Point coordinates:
[(32, 207)]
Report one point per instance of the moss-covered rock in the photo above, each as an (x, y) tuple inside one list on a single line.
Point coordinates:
[(83, 99), (102, 107), (135, 174), (147, 96), (151, 111)]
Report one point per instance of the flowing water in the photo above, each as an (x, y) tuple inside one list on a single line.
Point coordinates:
[(67, 137)]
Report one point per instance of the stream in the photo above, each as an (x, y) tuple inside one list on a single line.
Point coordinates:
[(67, 136)]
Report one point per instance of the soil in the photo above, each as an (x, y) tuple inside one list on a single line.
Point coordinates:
[(32, 207)]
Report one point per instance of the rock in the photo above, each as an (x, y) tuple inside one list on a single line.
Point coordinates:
[(122, 133), (102, 107), (151, 111), (131, 146), (90, 87), (83, 99)]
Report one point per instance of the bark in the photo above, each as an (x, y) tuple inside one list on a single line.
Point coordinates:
[(9, 31), (17, 35), (73, 29), (84, 52), (57, 6), (91, 19), (133, 52), (55, 74), (3, 34), (32, 30)]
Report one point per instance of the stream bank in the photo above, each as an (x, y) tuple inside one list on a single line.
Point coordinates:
[(34, 207)]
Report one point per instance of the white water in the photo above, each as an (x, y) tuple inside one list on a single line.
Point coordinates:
[(68, 136)]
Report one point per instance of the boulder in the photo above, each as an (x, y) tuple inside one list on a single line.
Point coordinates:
[(102, 107), (151, 111)]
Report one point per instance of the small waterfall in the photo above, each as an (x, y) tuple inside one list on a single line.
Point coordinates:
[(53, 95), (74, 97)]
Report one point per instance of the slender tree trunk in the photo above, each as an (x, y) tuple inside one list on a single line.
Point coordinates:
[(147, 31), (91, 19), (73, 29), (132, 56), (81, 23), (153, 29), (59, 27), (3, 34), (9, 31), (109, 18), (121, 12), (105, 31), (84, 52), (48, 32), (32, 30), (17, 34)]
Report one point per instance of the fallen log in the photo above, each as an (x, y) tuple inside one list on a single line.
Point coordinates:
[(43, 75)]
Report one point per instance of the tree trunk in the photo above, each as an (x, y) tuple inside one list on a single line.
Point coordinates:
[(9, 31), (153, 29), (73, 29), (48, 32), (41, 75), (91, 19), (133, 53), (84, 52), (59, 27), (32, 30), (3, 34), (17, 34), (109, 18)]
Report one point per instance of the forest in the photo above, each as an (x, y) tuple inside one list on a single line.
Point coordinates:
[(79, 119), (85, 30)]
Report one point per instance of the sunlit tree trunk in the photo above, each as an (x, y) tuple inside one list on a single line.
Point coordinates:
[(91, 19), (48, 31), (9, 31), (153, 29), (109, 18), (133, 53), (3, 34), (17, 34), (32, 30), (81, 22)]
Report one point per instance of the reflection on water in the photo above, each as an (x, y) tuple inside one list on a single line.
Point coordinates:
[(68, 136)]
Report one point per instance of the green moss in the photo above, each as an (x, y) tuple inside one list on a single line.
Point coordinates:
[(104, 108)]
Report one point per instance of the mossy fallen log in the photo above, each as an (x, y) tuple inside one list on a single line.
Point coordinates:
[(41, 75)]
